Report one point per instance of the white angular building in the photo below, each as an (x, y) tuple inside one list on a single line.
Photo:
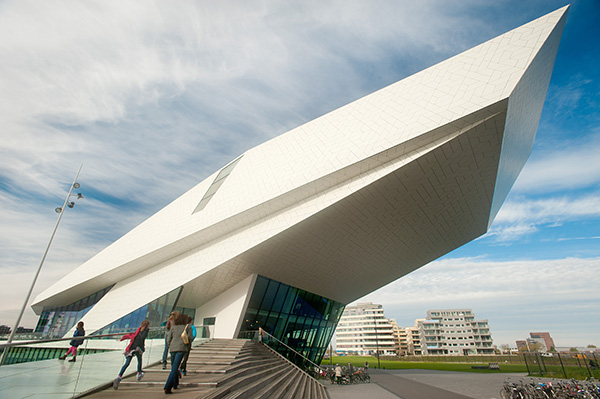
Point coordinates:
[(294, 229)]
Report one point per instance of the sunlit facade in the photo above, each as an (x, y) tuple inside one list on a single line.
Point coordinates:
[(333, 209), (364, 330), (455, 332)]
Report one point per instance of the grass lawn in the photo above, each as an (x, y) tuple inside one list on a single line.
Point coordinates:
[(359, 361)]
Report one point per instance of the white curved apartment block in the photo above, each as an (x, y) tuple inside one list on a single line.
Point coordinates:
[(343, 204), (363, 329)]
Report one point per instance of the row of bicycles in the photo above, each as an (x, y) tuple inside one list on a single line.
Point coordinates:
[(588, 389), (350, 375)]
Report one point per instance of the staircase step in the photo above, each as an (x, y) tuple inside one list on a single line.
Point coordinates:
[(283, 386), (294, 386), (243, 372), (240, 382), (261, 387)]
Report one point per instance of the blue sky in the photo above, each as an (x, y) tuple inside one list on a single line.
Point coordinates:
[(153, 97)]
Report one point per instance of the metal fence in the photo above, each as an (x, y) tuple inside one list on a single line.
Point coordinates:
[(504, 359), (562, 365), (551, 365)]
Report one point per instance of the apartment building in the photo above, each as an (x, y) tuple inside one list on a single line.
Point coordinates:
[(363, 329), (414, 340), (455, 332), (397, 330)]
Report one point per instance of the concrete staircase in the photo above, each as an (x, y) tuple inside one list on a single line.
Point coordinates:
[(223, 369), (248, 369), (227, 369)]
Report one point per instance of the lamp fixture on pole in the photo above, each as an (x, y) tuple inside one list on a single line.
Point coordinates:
[(376, 340), (60, 210)]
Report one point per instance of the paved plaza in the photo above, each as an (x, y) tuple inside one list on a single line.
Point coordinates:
[(424, 384), (56, 379)]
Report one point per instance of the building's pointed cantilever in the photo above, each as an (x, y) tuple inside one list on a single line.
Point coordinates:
[(341, 205)]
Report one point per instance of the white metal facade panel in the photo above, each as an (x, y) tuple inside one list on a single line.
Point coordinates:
[(350, 201)]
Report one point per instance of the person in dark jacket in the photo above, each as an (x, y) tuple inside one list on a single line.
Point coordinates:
[(79, 332), (178, 348), (168, 324), (136, 347)]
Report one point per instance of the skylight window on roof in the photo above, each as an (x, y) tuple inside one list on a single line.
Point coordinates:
[(214, 187)]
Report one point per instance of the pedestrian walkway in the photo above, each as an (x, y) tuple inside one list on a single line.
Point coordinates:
[(424, 384), (58, 379)]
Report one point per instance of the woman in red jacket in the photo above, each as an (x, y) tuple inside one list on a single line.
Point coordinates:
[(136, 347)]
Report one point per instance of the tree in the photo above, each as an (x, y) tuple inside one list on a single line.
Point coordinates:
[(535, 346), (531, 346), (591, 346), (573, 350)]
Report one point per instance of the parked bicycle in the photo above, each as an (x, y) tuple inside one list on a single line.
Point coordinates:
[(358, 376), (589, 389)]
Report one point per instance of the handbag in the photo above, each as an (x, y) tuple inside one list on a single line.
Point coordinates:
[(184, 335)]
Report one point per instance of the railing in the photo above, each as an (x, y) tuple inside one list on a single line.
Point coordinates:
[(290, 354), (99, 359), (17, 349), (22, 336)]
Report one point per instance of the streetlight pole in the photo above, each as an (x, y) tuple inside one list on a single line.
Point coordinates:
[(376, 341), (60, 212)]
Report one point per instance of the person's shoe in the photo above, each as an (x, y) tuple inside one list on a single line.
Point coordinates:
[(62, 357), (168, 391), (116, 382), (73, 360), (164, 366), (140, 376), (184, 372)]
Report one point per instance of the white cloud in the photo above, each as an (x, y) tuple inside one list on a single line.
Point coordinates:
[(571, 165), (559, 185), (520, 296), (512, 232), (550, 209), (521, 216)]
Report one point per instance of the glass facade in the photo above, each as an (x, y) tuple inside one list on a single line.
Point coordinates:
[(302, 320), (55, 321), (155, 312)]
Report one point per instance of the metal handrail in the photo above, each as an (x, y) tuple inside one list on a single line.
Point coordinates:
[(85, 337), (287, 346)]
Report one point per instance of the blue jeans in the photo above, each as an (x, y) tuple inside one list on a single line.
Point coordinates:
[(165, 352), (173, 380), (128, 360)]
